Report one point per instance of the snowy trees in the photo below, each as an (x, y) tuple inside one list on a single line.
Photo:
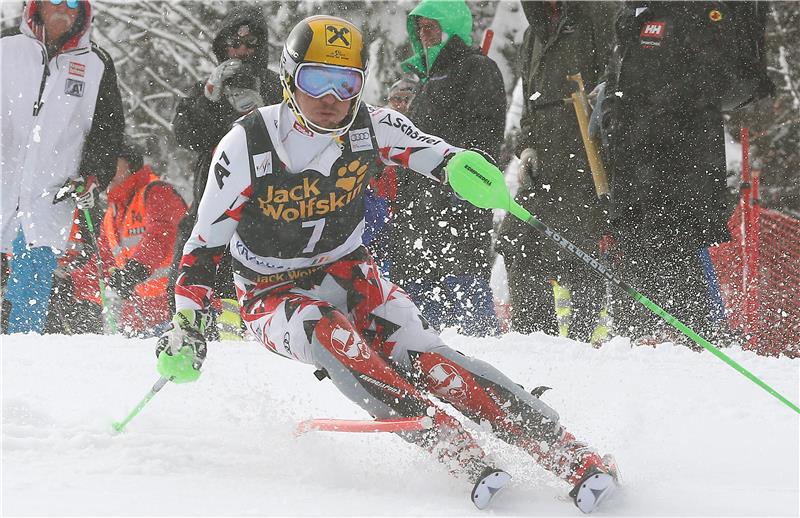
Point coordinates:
[(162, 47), (778, 152), (775, 122)]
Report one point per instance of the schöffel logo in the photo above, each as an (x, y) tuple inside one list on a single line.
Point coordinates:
[(653, 30)]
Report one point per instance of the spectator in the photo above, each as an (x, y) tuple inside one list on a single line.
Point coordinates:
[(62, 124), (563, 38), (401, 93), (136, 240), (443, 245), (240, 83), (666, 133), (380, 198)]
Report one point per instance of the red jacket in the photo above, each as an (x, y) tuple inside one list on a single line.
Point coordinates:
[(156, 222)]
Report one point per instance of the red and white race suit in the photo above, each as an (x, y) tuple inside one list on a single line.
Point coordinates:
[(289, 203)]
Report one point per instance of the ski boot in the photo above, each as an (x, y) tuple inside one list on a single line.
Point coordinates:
[(455, 447), (597, 484), (490, 481)]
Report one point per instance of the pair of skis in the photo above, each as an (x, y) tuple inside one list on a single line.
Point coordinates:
[(489, 482), (590, 492), (587, 497)]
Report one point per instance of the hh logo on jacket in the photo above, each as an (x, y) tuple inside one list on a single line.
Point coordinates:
[(652, 33)]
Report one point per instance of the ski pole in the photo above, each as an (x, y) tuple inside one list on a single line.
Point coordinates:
[(476, 180), (120, 425), (112, 324)]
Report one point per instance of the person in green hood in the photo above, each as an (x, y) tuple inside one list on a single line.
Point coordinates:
[(444, 245)]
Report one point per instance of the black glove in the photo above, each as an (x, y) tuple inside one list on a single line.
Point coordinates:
[(83, 190), (124, 280), (527, 167)]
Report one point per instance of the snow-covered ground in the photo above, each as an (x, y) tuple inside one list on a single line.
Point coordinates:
[(692, 436)]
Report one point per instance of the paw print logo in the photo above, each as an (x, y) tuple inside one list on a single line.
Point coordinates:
[(351, 175)]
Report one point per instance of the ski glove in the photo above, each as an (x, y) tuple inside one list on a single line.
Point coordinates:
[(82, 190), (243, 100), (214, 86), (182, 348), (596, 119), (124, 280)]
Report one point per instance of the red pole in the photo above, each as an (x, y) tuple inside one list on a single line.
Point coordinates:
[(754, 239), (744, 202), (487, 41)]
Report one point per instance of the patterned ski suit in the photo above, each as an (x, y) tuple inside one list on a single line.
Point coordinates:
[(290, 203)]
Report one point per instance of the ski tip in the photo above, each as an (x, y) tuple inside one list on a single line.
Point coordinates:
[(395, 425), (490, 482), (593, 490)]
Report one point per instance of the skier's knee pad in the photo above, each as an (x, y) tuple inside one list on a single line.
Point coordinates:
[(337, 334), (360, 372), (479, 389)]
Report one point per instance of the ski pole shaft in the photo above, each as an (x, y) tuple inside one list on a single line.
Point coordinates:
[(112, 324), (120, 425), (604, 271), (476, 180)]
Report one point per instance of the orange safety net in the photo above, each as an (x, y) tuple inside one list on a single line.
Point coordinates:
[(759, 278)]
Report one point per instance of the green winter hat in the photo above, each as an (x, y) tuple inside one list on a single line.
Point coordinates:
[(453, 16)]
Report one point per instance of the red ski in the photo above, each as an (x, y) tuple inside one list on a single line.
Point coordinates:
[(402, 424)]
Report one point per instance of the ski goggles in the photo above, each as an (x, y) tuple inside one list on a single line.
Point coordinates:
[(72, 4), (249, 40), (316, 80)]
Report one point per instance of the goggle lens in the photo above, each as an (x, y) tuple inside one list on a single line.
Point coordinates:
[(72, 4), (250, 41), (318, 80)]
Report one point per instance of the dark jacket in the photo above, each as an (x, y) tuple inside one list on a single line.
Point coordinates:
[(199, 124), (561, 40), (575, 38), (692, 55), (680, 64), (461, 99)]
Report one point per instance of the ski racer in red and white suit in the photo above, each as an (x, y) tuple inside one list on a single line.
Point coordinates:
[(289, 201)]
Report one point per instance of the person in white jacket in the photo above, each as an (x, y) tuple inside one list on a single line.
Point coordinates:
[(62, 124)]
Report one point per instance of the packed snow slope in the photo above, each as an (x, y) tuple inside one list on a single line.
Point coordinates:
[(692, 436)]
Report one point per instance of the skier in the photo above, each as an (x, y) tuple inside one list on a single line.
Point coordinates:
[(285, 190)]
